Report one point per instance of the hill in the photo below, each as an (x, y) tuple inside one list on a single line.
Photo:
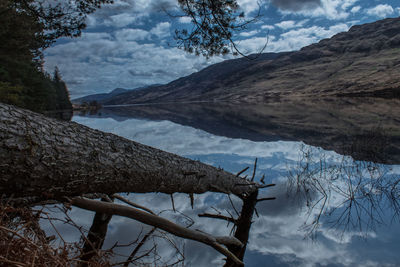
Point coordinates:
[(99, 97), (365, 61)]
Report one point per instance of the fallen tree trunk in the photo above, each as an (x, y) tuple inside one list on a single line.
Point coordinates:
[(50, 159)]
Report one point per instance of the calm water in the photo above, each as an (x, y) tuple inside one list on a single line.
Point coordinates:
[(356, 225)]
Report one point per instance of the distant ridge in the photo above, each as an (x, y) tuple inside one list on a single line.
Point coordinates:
[(365, 61), (100, 97)]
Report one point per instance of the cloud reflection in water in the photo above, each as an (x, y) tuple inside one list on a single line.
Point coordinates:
[(277, 236)]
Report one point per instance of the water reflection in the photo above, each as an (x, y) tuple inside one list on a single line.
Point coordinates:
[(277, 236), (367, 129), (350, 195)]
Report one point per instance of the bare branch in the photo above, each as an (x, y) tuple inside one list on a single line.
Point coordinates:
[(266, 198), (254, 170), (161, 223), (218, 216), (132, 204), (265, 186), (141, 243), (242, 171), (233, 206), (173, 202)]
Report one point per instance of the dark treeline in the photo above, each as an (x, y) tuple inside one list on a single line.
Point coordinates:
[(23, 82)]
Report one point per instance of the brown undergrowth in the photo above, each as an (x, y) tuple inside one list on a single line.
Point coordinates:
[(23, 243)]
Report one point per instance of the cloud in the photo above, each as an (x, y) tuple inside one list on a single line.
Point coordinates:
[(268, 27), (161, 30), (296, 5), (132, 35), (121, 20), (97, 62), (355, 9), (293, 39), (249, 6), (381, 11), (127, 12), (248, 34), (333, 10), (288, 24), (185, 20)]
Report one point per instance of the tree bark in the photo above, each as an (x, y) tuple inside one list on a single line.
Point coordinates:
[(96, 236), (243, 225), (46, 158)]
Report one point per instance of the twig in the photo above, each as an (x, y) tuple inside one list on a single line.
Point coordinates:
[(141, 243), (191, 199), (173, 203), (218, 216), (132, 203), (254, 170), (242, 171), (266, 198), (20, 236), (265, 186), (15, 263), (262, 179), (233, 206)]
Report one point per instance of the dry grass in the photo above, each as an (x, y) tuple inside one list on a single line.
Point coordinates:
[(23, 243)]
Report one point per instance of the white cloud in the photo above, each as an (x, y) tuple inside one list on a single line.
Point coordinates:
[(330, 9), (127, 12), (268, 27), (382, 10), (248, 34), (91, 36), (161, 30), (355, 9), (132, 35), (293, 39), (121, 20), (249, 6), (288, 24), (185, 19), (295, 5)]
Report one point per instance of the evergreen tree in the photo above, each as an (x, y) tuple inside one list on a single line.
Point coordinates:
[(22, 80)]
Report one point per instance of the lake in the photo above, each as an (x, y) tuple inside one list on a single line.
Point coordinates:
[(335, 164)]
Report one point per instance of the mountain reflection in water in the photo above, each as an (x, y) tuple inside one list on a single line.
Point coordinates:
[(366, 128), (348, 205)]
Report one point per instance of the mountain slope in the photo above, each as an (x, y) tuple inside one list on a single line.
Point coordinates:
[(365, 61), (99, 97), (206, 80)]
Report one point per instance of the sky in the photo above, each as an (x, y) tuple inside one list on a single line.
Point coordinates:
[(130, 43)]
